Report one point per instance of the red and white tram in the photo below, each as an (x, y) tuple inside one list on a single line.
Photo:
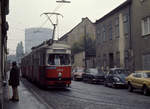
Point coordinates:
[(48, 65)]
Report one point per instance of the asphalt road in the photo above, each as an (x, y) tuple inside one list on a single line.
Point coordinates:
[(89, 96)]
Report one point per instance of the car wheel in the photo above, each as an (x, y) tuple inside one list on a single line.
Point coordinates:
[(114, 85), (74, 78), (105, 83), (145, 90), (130, 88)]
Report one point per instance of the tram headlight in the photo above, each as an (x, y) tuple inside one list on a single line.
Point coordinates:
[(59, 74)]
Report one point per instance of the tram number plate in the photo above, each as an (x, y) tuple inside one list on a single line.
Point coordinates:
[(60, 70)]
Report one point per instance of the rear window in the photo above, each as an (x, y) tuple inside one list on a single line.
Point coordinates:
[(147, 75)]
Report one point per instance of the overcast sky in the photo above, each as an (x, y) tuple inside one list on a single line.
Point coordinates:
[(26, 14)]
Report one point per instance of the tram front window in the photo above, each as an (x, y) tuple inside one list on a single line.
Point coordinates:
[(58, 59)]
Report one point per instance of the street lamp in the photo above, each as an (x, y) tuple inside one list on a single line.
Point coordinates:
[(63, 1)]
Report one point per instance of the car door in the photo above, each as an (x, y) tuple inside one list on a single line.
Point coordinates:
[(137, 80), (109, 77), (86, 75)]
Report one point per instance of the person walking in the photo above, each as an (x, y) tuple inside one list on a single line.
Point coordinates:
[(14, 81)]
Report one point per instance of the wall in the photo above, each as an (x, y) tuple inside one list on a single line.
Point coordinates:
[(140, 43), (117, 45), (77, 33)]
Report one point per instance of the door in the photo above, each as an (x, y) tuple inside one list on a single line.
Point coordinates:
[(111, 60)]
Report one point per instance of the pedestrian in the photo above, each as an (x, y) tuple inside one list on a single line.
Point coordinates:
[(14, 81)]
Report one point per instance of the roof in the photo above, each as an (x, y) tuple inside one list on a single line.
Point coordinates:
[(126, 3), (66, 35)]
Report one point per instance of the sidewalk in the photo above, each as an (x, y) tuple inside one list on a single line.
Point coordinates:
[(27, 100)]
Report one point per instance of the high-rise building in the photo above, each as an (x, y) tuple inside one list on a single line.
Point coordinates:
[(35, 36)]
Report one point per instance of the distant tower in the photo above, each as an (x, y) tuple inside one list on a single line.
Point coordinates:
[(35, 36), (19, 51)]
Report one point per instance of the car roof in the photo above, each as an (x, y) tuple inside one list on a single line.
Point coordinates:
[(142, 71), (117, 69), (92, 68)]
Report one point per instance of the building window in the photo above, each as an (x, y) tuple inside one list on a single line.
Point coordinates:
[(126, 60), (126, 54), (110, 31), (104, 61), (118, 59), (98, 36), (104, 34), (126, 24), (146, 26), (117, 27), (146, 62)]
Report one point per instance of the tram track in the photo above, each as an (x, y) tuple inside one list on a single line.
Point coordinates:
[(97, 101), (60, 98)]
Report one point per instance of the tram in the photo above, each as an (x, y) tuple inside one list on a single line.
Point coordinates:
[(48, 65)]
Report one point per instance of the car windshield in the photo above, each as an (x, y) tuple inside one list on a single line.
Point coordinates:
[(80, 70), (58, 59), (147, 75), (95, 71)]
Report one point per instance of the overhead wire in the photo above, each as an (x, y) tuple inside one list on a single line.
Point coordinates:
[(57, 7)]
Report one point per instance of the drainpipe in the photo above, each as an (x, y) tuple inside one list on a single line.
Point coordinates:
[(130, 38)]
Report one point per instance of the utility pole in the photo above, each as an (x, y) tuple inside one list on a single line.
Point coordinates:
[(54, 24), (85, 49)]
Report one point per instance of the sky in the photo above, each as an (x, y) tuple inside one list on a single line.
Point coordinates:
[(27, 14)]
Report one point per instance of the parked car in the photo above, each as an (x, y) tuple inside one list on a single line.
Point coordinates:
[(77, 73), (116, 77), (139, 80), (92, 75)]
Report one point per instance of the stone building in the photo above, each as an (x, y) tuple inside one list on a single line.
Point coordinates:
[(113, 38), (140, 32), (80, 32), (123, 36), (3, 44)]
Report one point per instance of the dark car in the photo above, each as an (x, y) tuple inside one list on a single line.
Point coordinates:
[(116, 77), (93, 75)]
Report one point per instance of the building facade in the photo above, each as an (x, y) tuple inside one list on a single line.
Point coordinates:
[(81, 32), (113, 38), (140, 32), (3, 45), (123, 37), (35, 36)]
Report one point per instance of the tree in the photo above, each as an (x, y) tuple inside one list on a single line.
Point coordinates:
[(19, 51), (85, 43)]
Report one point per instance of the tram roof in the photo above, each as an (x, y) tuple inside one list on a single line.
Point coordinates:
[(49, 44)]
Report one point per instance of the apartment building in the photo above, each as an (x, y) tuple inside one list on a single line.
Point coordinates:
[(140, 32), (113, 38)]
